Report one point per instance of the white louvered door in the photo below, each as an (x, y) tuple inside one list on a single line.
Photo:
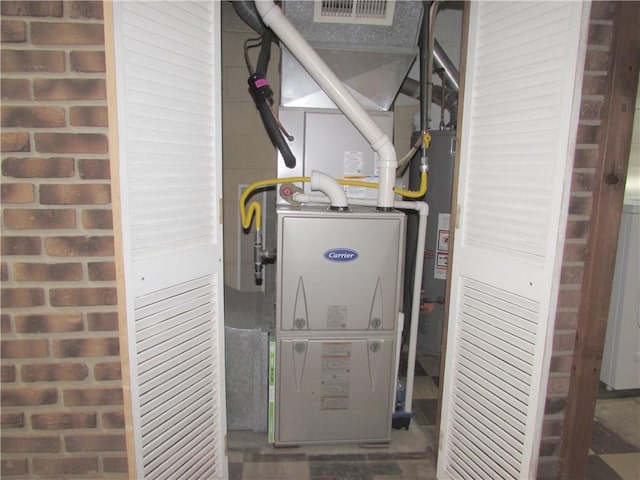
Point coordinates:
[(167, 69), (520, 111)]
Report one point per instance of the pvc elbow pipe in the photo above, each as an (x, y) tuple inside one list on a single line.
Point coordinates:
[(273, 17), (322, 182)]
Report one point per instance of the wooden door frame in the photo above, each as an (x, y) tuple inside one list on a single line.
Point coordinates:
[(614, 140)]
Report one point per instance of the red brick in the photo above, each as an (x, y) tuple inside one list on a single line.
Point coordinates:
[(583, 182), (87, 62), (63, 421), (594, 83), (586, 158), (558, 385), (577, 229), (580, 205), (12, 420), (78, 194), (35, 167), (587, 134), (102, 321), (597, 61), (602, 10), (36, 444), (57, 272), (571, 275), (31, 8), (102, 271), (113, 419), (71, 143), (569, 297), (15, 89), (550, 448), (54, 372), (49, 323), (4, 271), (574, 252), (86, 347), (5, 322), (78, 397), (15, 142), (115, 464), (34, 117), (8, 373), (591, 109), (600, 34), (95, 443), (21, 245), (69, 89), (81, 297), (13, 31), (97, 219), (563, 341), (566, 320), (36, 348), (89, 117), (79, 246), (19, 397), (32, 61), (107, 371), (85, 9), (52, 33), (65, 466), (94, 169), (39, 219), (561, 363), (22, 297), (18, 193), (13, 467)]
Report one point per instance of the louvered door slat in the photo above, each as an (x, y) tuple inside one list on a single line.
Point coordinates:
[(169, 121), (519, 119)]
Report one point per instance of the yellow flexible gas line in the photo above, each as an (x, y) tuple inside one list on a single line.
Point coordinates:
[(399, 191), (418, 193), (246, 214), (254, 208)]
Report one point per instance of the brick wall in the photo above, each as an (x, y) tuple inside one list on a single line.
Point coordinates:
[(62, 411), (587, 156)]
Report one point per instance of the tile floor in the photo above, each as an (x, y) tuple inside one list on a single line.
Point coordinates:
[(615, 451)]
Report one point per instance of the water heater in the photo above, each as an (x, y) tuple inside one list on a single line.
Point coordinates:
[(338, 298)]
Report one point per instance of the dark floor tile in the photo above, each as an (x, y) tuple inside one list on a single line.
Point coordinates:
[(352, 470), (597, 469), (255, 457), (344, 457), (603, 393), (378, 456), (235, 471), (605, 440), (427, 408)]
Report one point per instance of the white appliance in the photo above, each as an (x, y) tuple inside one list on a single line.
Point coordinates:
[(621, 357), (338, 298)]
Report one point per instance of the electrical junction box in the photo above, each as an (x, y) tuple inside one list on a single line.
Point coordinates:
[(338, 297), (325, 140)]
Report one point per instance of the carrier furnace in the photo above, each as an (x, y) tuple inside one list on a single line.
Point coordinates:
[(336, 324)]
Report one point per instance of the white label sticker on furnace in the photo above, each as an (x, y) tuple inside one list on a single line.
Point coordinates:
[(336, 317), (335, 373), (352, 163)]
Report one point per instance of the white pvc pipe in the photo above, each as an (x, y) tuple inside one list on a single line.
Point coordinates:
[(423, 211), (333, 87), (332, 189)]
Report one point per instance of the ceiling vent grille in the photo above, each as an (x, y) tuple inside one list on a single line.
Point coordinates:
[(362, 12)]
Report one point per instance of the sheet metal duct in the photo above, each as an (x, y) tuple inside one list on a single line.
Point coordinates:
[(371, 60)]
